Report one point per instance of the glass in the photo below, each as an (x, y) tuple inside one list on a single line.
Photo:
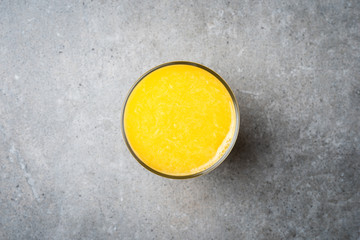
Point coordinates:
[(227, 152)]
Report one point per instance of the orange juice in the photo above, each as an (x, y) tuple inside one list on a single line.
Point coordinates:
[(180, 119)]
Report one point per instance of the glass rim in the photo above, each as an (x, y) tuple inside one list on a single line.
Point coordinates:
[(230, 147)]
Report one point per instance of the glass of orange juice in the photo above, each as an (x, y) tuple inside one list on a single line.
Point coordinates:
[(180, 120)]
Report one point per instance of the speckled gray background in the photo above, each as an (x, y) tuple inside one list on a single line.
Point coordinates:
[(66, 66)]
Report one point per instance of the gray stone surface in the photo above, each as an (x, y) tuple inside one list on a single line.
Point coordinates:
[(66, 66)]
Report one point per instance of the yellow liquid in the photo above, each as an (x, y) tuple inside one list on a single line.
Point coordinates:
[(179, 120)]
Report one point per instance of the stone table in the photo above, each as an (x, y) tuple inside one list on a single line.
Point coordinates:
[(66, 67)]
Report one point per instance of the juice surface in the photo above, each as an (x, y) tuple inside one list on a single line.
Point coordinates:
[(179, 120)]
